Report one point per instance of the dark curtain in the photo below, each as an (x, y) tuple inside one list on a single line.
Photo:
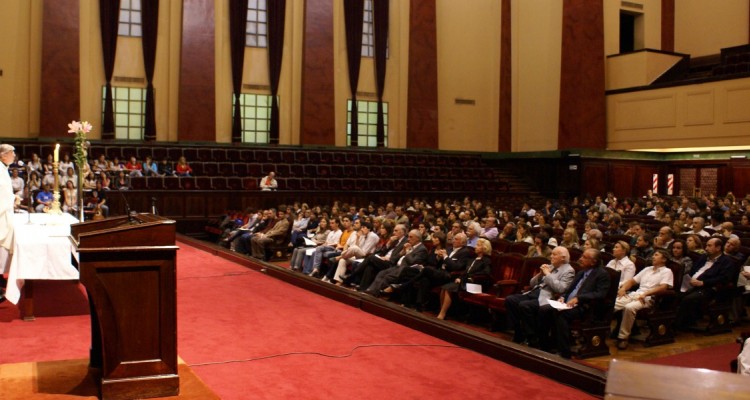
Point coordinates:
[(150, 23), (276, 14), (109, 12), (380, 24), (353, 17), (237, 26)]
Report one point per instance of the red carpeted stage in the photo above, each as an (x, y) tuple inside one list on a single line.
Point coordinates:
[(246, 334)]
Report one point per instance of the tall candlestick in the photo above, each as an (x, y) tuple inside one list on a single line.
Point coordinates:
[(57, 152)]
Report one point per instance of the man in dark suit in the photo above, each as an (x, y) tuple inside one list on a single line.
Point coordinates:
[(446, 262), (711, 270), (591, 283), (365, 272), (413, 252)]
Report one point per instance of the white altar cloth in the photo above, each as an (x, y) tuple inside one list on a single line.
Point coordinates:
[(42, 250)]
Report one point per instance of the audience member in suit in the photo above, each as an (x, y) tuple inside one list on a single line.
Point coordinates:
[(711, 270), (590, 283), (549, 283), (480, 265), (364, 273), (412, 253), (409, 276), (438, 273), (732, 249), (643, 247), (260, 241)]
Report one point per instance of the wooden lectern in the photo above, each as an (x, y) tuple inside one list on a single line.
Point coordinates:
[(127, 265)]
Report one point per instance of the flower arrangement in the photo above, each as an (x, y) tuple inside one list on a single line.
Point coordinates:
[(80, 128)]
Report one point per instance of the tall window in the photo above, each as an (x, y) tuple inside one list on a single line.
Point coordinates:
[(367, 118), (256, 117), (130, 18), (256, 32), (130, 110), (368, 36)]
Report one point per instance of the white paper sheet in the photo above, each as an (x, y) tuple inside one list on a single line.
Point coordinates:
[(473, 288), (559, 305)]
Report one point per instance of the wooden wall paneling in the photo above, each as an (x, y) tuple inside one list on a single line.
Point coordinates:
[(622, 178), (644, 176), (422, 106), (197, 99), (61, 90), (317, 118), (172, 205), (741, 180), (582, 102), (506, 79), (195, 207), (667, 25), (594, 179)]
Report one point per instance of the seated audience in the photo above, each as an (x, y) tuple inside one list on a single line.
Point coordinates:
[(695, 243), (70, 198), (540, 248), (699, 286), (650, 281), (182, 168), (591, 283), (269, 182), (621, 262), (550, 282), (44, 199), (260, 241), (364, 245), (570, 239), (678, 252), (150, 168), (480, 265), (134, 168), (643, 247), (412, 253)]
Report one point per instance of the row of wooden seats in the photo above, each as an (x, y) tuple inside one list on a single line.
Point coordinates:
[(243, 169), (322, 184), (258, 155)]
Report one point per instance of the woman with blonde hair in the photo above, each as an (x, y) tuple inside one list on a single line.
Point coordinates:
[(570, 239)]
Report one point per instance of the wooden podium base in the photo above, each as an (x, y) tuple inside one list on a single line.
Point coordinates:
[(72, 379), (141, 387)]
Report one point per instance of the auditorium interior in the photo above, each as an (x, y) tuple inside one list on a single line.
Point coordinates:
[(488, 107)]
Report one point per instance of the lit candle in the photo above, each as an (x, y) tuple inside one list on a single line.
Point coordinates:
[(57, 152)]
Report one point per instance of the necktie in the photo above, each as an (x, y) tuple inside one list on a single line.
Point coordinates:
[(578, 286)]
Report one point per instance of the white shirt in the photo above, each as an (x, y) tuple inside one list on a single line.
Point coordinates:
[(625, 266), (333, 238), (650, 278)]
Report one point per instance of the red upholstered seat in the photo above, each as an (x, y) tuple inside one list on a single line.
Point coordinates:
[(505, 272)]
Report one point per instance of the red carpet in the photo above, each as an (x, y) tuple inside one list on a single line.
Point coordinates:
[(716, 358), (238, 329)]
